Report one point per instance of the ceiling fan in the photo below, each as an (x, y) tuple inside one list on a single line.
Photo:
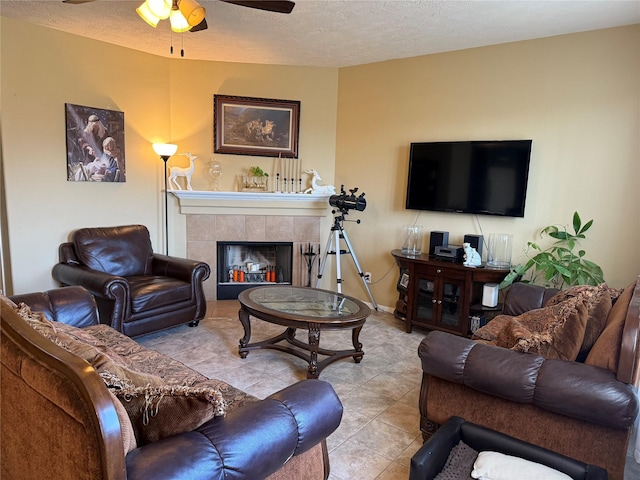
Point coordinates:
[(188, 15)]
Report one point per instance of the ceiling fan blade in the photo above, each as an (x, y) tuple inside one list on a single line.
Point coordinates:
[(278, 6), (201, 26), (76, 2)]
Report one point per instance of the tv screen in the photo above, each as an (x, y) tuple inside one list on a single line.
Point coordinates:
[(479, 177)]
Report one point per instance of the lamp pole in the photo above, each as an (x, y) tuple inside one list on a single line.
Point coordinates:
[(166, 207), (165, 150)]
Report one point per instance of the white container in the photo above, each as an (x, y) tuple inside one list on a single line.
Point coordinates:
[(412, 239), (490, 295), (499, 251)]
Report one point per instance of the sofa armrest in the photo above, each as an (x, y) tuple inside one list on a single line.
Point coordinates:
[(190, 271), (100, 284), (569, 388), (111, 291), (250, 443), (71, 305)]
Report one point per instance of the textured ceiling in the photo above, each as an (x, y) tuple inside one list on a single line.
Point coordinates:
[(330, 33)]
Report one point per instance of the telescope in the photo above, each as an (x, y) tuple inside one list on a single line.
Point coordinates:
[(345, 202)]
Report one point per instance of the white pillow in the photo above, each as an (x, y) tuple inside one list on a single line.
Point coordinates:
[(498, 466)]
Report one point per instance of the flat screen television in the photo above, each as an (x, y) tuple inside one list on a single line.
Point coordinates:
[(478, 177)]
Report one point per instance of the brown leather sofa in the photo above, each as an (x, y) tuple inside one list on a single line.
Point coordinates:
[(577, 409), (59, 420), (137, 291)]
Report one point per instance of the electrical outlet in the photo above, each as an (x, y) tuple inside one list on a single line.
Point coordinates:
[(367, 277)]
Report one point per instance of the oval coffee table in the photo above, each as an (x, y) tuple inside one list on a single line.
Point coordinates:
[(306, 308)]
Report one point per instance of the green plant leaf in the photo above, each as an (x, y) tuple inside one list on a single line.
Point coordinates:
[(576, 222), (257, 172), (558, 264), (586, 226), (559, 235)]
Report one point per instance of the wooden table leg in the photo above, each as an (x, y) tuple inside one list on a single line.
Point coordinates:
[(243, 315), (355, 339), (314, 345)]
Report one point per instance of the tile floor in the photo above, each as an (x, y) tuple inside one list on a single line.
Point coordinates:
[(380, 428)]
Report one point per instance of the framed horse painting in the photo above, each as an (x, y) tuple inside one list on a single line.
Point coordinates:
[(256, 126)]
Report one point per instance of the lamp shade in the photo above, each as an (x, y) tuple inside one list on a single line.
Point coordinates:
[(192, 11), (179, 24), (147, 15), (165, 149), (160, 8)]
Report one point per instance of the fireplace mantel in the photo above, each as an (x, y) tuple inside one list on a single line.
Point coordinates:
[(267, 203)]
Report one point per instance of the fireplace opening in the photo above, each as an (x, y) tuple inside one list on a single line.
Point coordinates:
[(243, 265)]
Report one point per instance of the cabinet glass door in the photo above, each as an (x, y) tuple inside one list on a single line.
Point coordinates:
[(451, 303), (425, 300)]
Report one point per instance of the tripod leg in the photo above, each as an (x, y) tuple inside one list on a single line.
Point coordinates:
[(338, 272), (324, 259), (355, 261)]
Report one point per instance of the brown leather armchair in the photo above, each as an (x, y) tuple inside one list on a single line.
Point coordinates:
[(137, 291)]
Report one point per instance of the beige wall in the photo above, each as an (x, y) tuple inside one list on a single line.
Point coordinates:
[(576, 96), (163, 100)]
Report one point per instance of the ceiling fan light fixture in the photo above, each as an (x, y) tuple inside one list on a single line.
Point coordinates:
[(160, 8), (192, 11), (147, 15), (179, 24)]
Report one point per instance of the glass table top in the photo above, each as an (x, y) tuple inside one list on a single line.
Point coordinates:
[(309, 302)]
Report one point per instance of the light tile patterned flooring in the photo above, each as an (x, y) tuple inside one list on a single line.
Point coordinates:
[(379, 432)]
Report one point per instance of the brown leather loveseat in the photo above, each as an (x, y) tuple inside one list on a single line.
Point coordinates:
[(137, 291), (582, 409)]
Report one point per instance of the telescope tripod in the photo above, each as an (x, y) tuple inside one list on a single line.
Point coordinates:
[(336, 234)]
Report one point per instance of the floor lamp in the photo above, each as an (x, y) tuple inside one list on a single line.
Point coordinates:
[(165, 151)]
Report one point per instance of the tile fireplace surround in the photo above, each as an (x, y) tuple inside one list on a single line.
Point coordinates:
[(238, 216)]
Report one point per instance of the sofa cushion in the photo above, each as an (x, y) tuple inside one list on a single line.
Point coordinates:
[(599, 302), (170, 370), (86, 346), (160, 411), (498, 466), (489, 332), (122, 251), (556, 331), (522, 297), (148, 292), (459, 463), (605, 353), (155, 409)]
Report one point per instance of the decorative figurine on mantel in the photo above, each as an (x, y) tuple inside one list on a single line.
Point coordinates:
[(316, 189), (175, 172), (215, 172), (471, 256)]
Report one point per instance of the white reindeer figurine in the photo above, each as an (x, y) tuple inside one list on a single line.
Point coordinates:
[(175, 172), (316, 189)]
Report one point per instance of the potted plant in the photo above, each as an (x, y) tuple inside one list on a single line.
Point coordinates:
[(255, 180), (559, 264)]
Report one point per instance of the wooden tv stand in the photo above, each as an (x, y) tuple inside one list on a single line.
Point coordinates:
[(439, 295)]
